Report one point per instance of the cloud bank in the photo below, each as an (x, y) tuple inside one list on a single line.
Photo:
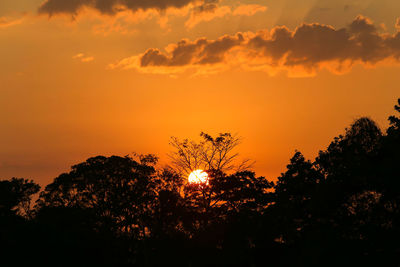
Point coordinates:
[(303, 51), (123, 12), (53, 7)]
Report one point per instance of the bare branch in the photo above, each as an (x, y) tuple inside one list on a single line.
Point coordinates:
[(208, 154)]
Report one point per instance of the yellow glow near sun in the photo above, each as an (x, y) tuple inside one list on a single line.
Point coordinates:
[(198, 177)]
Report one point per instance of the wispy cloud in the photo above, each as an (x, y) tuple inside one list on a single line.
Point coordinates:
[(83, 58), (248, 10), (208, 14), (8, 22)]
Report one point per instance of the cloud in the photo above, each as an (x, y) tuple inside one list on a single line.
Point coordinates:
[(109, 7), (248, 10), (6, 22), (122, 12), (80, 55), (207, 15), (184, 55), (336, 12), (303, 51), (211, 11), (83, 58), (87, 59)]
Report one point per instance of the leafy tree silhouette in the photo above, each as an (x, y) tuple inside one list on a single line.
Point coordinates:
[(340, 209), (294, 195), (16, 195), (335, 203), (389, 157), (110, 199), (347, 159), (117, 189), (394, 128), (15, 211)]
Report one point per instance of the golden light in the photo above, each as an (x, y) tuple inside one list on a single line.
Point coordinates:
[(198, 177)]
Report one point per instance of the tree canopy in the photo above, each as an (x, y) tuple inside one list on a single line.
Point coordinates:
[(340, 209)]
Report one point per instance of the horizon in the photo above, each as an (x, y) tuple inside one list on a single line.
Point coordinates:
[(84, 80)]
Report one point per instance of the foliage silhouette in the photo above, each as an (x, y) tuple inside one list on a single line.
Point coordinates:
[(117, 190), (16, 195), (211, 153), (340, 209)]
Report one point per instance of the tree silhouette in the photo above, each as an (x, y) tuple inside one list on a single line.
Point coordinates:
[(389, 157), (394, 121), (208, 154), (340, 209), (15, 213), (16, 195), (295, 193), (119, 190)]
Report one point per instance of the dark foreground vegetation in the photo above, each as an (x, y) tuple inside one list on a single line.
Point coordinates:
[(340, 209)]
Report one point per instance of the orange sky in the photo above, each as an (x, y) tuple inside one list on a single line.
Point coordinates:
[(80, 81)]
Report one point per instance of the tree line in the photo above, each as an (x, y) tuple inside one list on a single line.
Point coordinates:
[(340, 209)]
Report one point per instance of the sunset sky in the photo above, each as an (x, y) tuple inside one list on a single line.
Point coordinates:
[(110, 77)]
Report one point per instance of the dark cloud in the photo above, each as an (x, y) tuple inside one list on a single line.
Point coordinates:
[(309, 46), (337, 12), (199, 52), (206, 6), (52, 7), (312, 44)]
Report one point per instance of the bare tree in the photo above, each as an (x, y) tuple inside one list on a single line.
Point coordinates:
[(209, 154)]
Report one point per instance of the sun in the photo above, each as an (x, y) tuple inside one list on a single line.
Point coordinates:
[(198, 177)]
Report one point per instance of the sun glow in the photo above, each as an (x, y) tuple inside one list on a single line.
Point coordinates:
[(198, 177)]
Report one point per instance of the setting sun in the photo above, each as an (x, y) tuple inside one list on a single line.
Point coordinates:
[(198, 177)]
